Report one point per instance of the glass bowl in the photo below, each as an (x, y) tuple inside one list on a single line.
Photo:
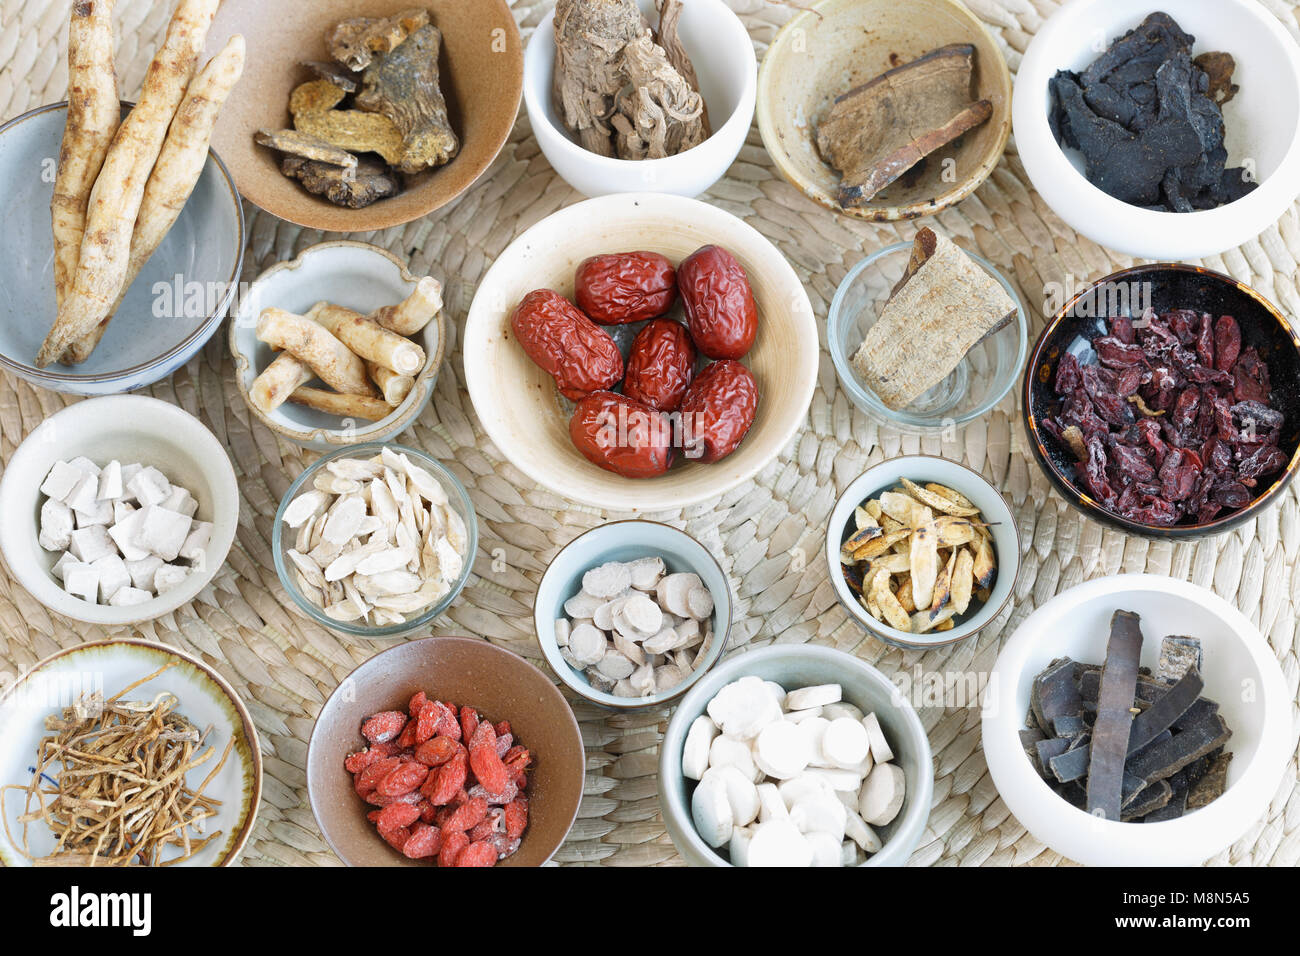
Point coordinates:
[(459, 500), (978, 382)]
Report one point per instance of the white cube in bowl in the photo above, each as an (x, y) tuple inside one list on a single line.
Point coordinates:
[(1240, 672), (921, 469), (357, 276), (1262, 123), (130, 429), (724, 60)]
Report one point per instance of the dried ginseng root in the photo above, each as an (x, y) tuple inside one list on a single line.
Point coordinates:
[(919, 558), (110, 783)]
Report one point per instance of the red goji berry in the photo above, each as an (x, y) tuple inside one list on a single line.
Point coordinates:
[(359, 761), (487, 766), (504, 743), (373, 815), (502, 727), (517, 758), (444, 783), (427, 724), (482, 853), (428, 812), (425, 841), (405, 778), (467, 815), (418, 700), (396, 838), (516, 817), (453, 844), (406, 739), (494, 822), (505, 796), (384, 726), (369, 778), (468, 721), (397, 815), (437, 751), (375, 799)]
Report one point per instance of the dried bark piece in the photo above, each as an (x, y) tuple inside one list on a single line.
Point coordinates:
[(1158, 762), (670, 12), (354, 130), (1178, 655), (297, 143), (659, 114), (589, 40), (1211, 786), (1163, 712), (340, 77), (1110, 731), (1053, 693), (403, 87), (355, 41), (877, 131), (1073, 764), (1148, 800), (315, 96)]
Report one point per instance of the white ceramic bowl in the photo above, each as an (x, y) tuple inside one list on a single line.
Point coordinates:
[(921, 469), (203, 696), (130, 428), (1262, 123), (358, 276), (723, 57), (804, 665), (1240, 673), (527, 420), (173, 307), (627, 541)]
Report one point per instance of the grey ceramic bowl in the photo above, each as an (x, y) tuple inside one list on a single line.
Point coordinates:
[(794, 666), (173, 307), (626, 541)]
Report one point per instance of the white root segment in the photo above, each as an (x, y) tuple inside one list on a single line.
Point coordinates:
[(391, 385), (310, 342), (278, 381), (369, 340), (344, 406), (415, 311)]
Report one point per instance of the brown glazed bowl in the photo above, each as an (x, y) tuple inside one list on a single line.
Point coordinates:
[(481, 74), (466, 670), (1169, 285)]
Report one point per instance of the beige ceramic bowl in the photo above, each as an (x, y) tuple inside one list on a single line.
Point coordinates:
[(527, 419), (840, 44), (481, 74)]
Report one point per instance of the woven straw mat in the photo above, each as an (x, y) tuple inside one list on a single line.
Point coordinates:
[(284, 666)]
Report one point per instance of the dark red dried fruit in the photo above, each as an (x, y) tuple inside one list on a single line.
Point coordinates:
[(575, 351), (622, 435), (660, 365), (625, 287), (717, 411), (719, 303)]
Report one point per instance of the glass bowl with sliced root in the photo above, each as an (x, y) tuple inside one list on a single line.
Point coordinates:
[(375, 540), (338, 346), (923, 552)]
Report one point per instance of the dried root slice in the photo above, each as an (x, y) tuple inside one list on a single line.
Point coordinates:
[(344, 406), (309, 342), (963, 580), (925, 563), (297, 143), (278, 381), (956, 497), (943, 585), (414, 312), (890, 608), (985, 563), (937, 501), (880, 545)]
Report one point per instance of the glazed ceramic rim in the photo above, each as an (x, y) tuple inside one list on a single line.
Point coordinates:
[(741, 117), (769, 77), (865, 399), (573, 679), (1007, 760), (901, 638), (200, 335), (373, 218), (564, 708), (1093, 509), (249, 728), (104, 615), (737, 667), (1046, 163), (449, 483), (402, 417)]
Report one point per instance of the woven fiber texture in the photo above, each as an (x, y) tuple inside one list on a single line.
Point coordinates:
[(768, 532)]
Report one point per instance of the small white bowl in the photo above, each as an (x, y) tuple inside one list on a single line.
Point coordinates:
[(921, 469), (352, 274), (1262, 123), (203, 696), (723, 56), (524, 415), (627, 541), (1240, 673), (130, 428)]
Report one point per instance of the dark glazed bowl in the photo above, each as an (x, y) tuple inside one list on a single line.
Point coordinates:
[(495, 682), (1171, 285)]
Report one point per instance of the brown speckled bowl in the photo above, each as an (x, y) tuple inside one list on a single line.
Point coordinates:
[(497, 683), (1172, 285), (481, 74)]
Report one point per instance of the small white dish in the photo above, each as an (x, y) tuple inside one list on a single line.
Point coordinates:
[(723, 56), (921, 469), (627, 541), (1240, 673), (203, 696), (352, 274), (173, 307), (1262, 124), (129, 428)]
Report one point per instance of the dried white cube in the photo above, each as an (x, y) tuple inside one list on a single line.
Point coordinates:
[(163, 532), (121, 509), (91, 544), (56, 525), (129, 595), (84, 495), (181, 501), (81, 580), (196, 542), (110, 482), (143, 570), (127, 535), (113, 575), (85, 464), (61, 480), (101, 513), (128, 475), (169, 576), (150, 487), (65, 559)]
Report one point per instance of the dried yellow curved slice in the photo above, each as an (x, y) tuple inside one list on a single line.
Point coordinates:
[(954, 496), (943, 585), (937, 501), (880, 545), (985, 564), (889, 605), (954, 531), (963, 580), (925, 562)]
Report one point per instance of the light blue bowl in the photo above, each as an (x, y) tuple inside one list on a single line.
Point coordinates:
[(173, 307)]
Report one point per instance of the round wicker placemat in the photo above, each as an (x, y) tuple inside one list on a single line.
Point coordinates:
[(767, 532)]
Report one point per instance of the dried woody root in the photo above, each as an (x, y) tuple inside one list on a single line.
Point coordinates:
[(118, 796), (623, 89)]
